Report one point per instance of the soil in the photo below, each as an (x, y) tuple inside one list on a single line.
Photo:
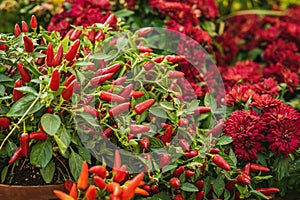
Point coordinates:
[(27, 174)]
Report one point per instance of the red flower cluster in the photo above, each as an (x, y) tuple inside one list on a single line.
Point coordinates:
[(81, 13)]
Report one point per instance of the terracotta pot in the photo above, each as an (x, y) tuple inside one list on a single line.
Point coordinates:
[(18, 192)]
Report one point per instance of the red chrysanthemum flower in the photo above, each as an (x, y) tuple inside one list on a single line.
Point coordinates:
[(264, 101), (282, 128), (243, 127), (267, 86), (238, 94)]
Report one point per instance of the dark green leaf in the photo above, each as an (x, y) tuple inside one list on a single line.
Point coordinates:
[(41, 153), (224, 140), (155, 143), (219, 185), (26, 89), (23, 104), (48, 172), (75, 163), (258, 194), (10, 148), (123, 13), (168, 168), (84, 153), (89, 119), (159, 112), (4, 173), (2, 90), (63, 139), (4, 78), (50, 123), (160, 196), (188, 187)]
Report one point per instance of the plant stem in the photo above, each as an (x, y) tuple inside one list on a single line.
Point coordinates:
[(13, 129)]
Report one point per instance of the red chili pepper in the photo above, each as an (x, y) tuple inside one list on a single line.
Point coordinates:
[(17, 30), (55, 80), (175, 58), (69, 80), (148, 65), (127, 91), (23, 72), (183, 122), (99, 182), (99, 170), (143, 49), (90, 110), (200, 195), (41, 136), (99, 36), (83, 180), (68, 91), (141, 107), (49, 110), (215, 131), (75, 35), (185, 145), (28, 44), (73, 192), (114, 188), (25, 28), (121, 108), (191, 153), (117, 160), (199, 184), (178, 171), (267, 191), (108, 132), (72, 51), (189, 174), (17, 94), (244, 179), (111, 20), (24, 140), (3, 47), (33, 22), (57, 59), (221, 162), (111, 97), (91, 193), (247, 169), (4, 123), (129, 189), (120, 174), (145, 142), (18, 154), (144, 31), (174, 182), (120, 81), (137, 94), (111, 69), (136, 129), (68, 184), (100, 79), (167, 136), (175, 74), (62, 196), (214, 151), (164, 125), (164, 160), (257, 167), (231, 184), (202, 109)]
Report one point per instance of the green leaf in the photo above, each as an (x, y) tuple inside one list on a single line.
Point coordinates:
[(192, 106), (123, 13), (102, 56), (63, 139), (48, 172), (23, 104), (2, 90), (155, 143), (160, 196), (122, 43), (50, 123), (75, 163), (281, 167), (167, 105), (219, 185), (10, 148), (168, 168), (38, 55), (224, 140), (83, 63), (84, 153), (89, 119), (261, 178), (188, 187), (41, 153), (210, 101), (26, 89), (258, 194), (159, 112), (4, 173), (4, 78), (232, 157)]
